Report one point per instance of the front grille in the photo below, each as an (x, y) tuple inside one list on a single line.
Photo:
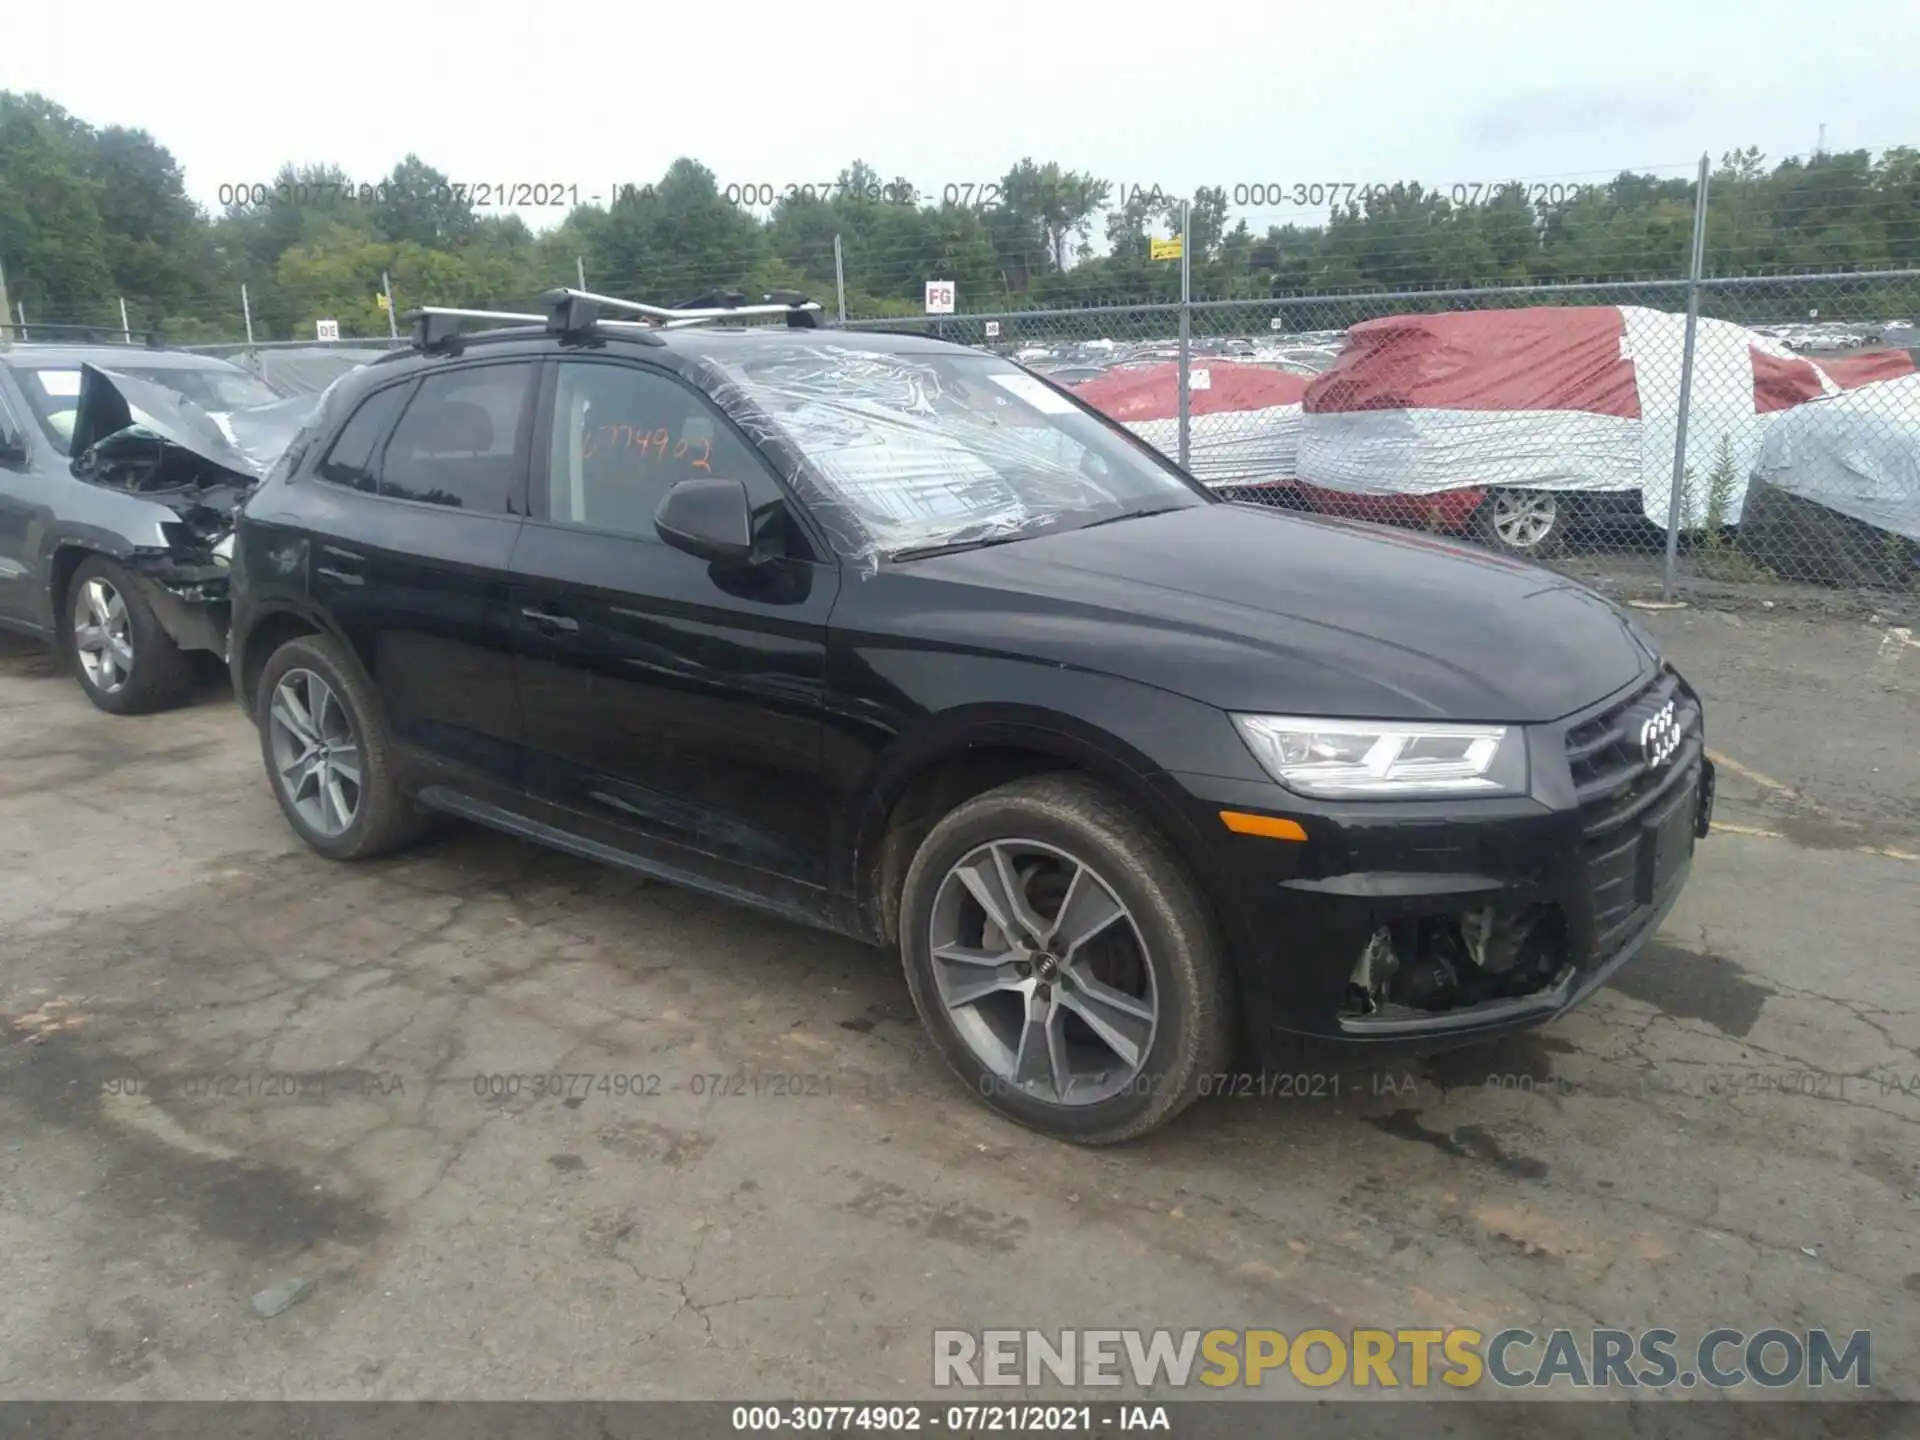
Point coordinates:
[(1620, 794)]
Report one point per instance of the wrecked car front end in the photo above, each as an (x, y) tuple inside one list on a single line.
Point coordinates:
[(194, 468), (1414, 926)]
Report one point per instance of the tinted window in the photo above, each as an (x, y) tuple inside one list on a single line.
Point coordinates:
[(457, 442), (350, 461), (622, 437)]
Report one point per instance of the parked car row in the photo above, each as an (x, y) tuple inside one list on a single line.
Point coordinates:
[(893, 637), (1522, 426)]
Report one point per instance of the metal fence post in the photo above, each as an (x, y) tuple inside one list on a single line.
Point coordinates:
[(20, 309), (840, 278), (1694, 270), (1186, 334), (393, 324), (126, 330), (246, 309), (580, 269)]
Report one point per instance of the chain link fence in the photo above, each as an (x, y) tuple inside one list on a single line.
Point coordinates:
[(1775, 437)]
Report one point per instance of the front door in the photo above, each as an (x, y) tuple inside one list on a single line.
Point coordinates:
[(671, 709)]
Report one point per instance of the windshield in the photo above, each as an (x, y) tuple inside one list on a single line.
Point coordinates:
[(53, 391), (925, 451)]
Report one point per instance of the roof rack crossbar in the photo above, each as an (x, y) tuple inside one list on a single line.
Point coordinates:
[(580, 305), (434, 326)]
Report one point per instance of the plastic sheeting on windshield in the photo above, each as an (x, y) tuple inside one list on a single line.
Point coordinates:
[(903, 454)]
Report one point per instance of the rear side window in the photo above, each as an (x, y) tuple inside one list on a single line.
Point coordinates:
[(350, 461), (458, 443)]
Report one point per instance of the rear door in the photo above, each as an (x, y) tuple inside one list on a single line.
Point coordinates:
[(426, 492), (671, 709), (20, 501)]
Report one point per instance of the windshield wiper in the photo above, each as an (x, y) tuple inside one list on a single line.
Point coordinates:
[(954, 547), (1140, 514)]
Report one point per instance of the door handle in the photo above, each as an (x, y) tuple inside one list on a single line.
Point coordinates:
[(550, 622), (345, 577)]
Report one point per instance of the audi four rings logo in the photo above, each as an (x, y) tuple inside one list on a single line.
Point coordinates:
[(1660, 736)]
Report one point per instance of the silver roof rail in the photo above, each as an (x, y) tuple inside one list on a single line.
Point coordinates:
[(573, 312)]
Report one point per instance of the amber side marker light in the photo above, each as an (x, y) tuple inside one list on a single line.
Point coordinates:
[(1271, 826)]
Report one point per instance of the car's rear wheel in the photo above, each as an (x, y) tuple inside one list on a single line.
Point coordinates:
[(1525, 522), (1063, 961), (126, 662), (327, 753)]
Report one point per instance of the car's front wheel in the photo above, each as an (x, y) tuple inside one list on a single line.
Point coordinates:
[(1525, 522), (124, 658), (327, 753), (1063, 962)]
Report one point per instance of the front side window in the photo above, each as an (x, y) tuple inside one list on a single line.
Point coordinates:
[(623, 437), (458, 443), (919, 450)]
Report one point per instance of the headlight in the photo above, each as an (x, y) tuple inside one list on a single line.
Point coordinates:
[(223, 549), (1365, 759)]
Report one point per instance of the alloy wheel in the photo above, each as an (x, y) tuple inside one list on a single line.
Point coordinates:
[(103, 636), (1523, 518), (316, 756), (1043, 972)]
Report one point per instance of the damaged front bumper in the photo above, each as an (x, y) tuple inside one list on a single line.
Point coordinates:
[(1419, 925), (189, 600)]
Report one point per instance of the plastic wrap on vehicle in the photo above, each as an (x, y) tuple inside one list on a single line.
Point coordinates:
[(1857, 454), (1577, 398), (1243, 424), (893, 461)]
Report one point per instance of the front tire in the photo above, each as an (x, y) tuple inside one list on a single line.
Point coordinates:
[(1063, 962), (125, 661), (1525, 522), (327, 753)]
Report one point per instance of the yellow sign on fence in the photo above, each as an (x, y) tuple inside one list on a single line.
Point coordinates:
[(1163, 249)]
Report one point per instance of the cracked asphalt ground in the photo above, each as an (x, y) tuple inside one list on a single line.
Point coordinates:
[(227, 1064)]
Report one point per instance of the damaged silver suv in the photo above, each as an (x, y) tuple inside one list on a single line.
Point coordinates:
[(120, 470)]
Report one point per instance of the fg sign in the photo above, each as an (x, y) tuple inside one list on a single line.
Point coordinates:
[(939, 297), (326, 329)]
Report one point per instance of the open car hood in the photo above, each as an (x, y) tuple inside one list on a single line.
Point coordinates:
[(121, 420)]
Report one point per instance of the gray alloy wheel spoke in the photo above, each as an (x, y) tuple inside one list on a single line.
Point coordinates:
[(316, 758), (346, 762), (972, 974), (1020, 938), (1124, 1024), (1041, 1060), (1086, 912), (1524, 520)]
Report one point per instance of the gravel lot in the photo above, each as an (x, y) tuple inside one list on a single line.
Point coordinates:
[(1727, 1136)]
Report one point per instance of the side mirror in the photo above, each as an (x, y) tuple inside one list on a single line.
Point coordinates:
[(710, 518)]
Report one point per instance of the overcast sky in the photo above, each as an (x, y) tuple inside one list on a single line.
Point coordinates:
[(1178, 95)]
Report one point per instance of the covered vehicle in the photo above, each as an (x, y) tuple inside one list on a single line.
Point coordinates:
[(1519, 421), (1834, 496), (1244, 420), (117, 504)]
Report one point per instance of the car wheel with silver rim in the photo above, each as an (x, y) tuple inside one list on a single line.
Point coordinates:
[(1062, 960), (327, 754), (124, 659), (1527, 522)]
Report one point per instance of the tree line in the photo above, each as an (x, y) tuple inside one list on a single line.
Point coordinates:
[(93, 216)]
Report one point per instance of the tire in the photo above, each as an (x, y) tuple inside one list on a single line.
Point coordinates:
[(1164, 947), (382, 818), (125, 661), (1524, 522)]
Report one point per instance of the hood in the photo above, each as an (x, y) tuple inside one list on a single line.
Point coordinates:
[(243, 444), (1252, 609)]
